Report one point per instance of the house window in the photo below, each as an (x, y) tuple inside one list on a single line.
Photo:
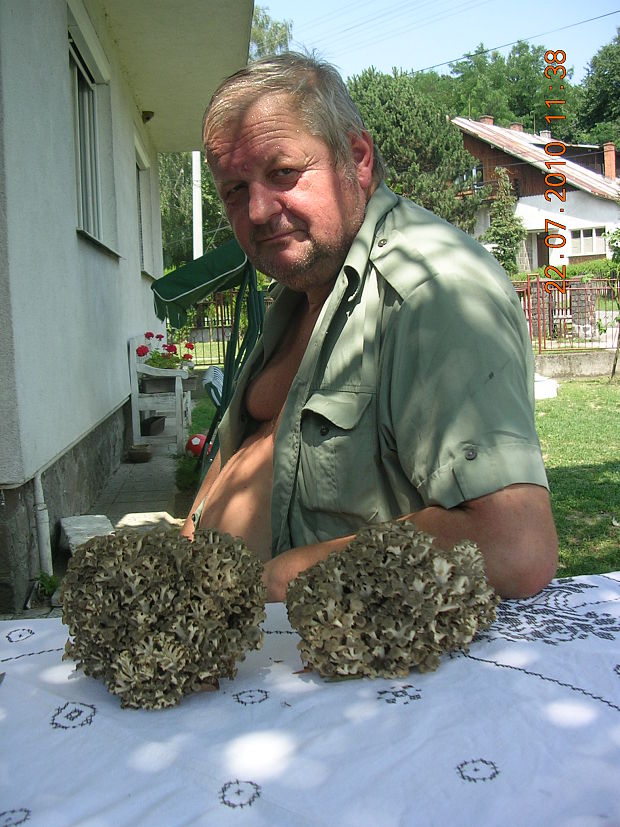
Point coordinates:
[(89, 86), (589, 241), (140, 225), (144, 202), (86, 149)]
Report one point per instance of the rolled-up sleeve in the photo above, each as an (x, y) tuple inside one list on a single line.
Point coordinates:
[(459, 397)]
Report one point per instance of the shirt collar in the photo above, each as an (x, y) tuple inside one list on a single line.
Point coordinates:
[(356, 262)]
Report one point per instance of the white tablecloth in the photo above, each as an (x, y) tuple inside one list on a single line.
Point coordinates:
[(523, 730)]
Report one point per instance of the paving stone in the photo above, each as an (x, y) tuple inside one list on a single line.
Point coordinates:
[(75, 531)]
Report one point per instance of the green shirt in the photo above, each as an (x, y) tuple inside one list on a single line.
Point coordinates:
[(416, 388)]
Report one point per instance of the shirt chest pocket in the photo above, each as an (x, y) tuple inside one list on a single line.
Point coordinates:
[(337, 456)]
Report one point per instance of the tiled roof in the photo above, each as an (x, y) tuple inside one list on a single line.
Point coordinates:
[(531, 149)]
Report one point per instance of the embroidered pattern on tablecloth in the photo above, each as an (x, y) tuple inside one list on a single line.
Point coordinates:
[(31, 654), (73, 715), (542, 677), (251, 696), (478, 769), (17, 635), (239, 793), (548, 617), (11, 818), (399, 694)]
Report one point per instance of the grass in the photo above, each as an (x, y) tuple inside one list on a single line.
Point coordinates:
[(202, 416), (580, 436), (187, 473), (208, 353), (579, 432)]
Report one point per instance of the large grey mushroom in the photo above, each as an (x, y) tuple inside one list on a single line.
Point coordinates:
[(156, 616), (389, 602)]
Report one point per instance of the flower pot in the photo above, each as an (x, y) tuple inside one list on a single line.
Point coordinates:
[(163, 384)]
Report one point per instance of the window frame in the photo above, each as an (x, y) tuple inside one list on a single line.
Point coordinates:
[(596, 238), (86, 145)]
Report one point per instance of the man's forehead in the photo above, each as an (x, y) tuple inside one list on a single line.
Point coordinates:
[(271, 111)]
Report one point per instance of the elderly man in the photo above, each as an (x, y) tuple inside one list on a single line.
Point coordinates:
[(395, 374)]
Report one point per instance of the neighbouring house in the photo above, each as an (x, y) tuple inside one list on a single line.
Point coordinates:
[(584, 190), (90, 92)]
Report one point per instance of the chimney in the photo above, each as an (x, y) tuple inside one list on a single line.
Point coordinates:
[(486, 119), (609, 160), (545, 134), (516, 126)]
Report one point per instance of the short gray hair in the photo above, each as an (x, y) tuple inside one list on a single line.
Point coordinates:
[(319, 94)]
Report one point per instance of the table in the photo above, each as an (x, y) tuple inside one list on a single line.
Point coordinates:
[(522, 730)]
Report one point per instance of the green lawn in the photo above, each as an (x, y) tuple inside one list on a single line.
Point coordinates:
[(580, 435)]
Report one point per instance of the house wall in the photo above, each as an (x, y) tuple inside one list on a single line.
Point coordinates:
[(580, 211), (526, 180), (67, 304)]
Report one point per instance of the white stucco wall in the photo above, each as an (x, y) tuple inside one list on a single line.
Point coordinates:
[(580, 211), (73, 305)]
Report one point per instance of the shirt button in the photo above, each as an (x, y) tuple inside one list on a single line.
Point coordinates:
[(382, 242), (471, 453), (324, 430)]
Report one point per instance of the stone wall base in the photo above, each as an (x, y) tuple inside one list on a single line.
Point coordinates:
[(586, 363), (70, 486)]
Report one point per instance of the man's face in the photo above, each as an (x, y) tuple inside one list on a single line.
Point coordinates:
[(293, 212)]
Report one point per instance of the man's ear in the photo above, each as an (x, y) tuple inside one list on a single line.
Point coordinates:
[(362, 149)]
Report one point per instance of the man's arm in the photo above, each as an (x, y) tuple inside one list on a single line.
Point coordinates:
[(513, 528)]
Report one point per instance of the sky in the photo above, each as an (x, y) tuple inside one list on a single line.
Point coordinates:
[(416, 35)]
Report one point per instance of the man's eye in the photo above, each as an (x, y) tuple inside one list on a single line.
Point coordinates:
[(285, 172), (232, 191)]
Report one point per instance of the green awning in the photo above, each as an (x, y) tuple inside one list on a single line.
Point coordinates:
[(221, 269), (225, 268)]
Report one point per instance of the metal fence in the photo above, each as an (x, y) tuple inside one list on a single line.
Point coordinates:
[(211, 329), (581, 315)]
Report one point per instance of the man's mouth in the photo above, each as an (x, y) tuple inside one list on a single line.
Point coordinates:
[(275, 238)]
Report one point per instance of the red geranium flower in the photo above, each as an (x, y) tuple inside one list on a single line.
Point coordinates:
[(170, 348), (142, 350), (187, 356), (189, 345), (149, 334), (159, 336)]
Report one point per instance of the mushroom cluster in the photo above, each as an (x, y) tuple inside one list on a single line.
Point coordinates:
[(389, 602), (157, 616)]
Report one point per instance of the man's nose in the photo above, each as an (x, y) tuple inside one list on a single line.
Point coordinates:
[(263, 203)]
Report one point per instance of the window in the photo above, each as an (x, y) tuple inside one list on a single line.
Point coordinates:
[(86, 150), (589, 241), (140, 231), (90, 75), (144, 202)]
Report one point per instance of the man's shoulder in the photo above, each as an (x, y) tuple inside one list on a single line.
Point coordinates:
[(413, 245)]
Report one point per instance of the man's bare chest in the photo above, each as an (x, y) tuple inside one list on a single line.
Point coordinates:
[(266, 394)]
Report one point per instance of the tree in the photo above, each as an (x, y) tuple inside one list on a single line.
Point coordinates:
[(269, 37), (506, 231), (482, 86), (175, 182), (513, 89), (599, 113), (175, 168), (422, 150)]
